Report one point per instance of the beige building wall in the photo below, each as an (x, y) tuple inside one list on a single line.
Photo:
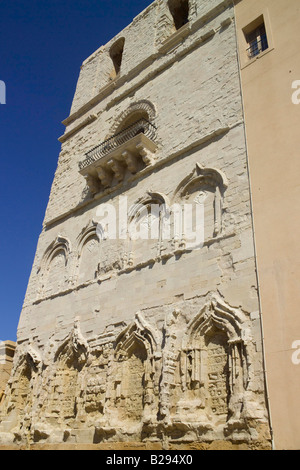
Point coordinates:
[(272, 128)]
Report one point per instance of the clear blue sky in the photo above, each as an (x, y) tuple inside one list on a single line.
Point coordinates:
[(42, 46)]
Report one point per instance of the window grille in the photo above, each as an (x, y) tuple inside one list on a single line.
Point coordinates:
[(257, 40)]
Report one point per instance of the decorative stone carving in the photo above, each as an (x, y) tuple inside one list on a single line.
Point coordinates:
[(134, 391), (169, 365), (62, 386), (146, 155), (131, 161), (27, 355), (214, 363), (87, 254), (93, 183), (74, 349), (105, 176), (143, 107), (53, 275), (199, 185), (23, 389), (145, 227), (117, 168)]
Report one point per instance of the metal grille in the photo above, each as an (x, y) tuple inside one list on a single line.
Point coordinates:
[(142, 126), (257, 46)]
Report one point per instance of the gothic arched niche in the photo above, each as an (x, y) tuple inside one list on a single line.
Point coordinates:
[(142, 109), (87, 254), (205, 188), (133, 379), (53, 270), (25, 372), (134, 386), (21, 395), (214, 363), (213, 358), (55, 275), (68, 361)]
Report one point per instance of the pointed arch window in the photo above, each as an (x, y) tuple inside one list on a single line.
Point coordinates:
[(180, 10), (116, 55)]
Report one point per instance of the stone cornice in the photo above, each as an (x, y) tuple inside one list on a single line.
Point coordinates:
[(81, 125)]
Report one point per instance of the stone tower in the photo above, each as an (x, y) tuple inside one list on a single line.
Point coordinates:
[(140, 324)]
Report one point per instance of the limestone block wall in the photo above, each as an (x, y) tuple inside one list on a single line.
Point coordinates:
[(154, 340), (7, 350)]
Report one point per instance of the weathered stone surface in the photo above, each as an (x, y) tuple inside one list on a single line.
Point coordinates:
[(7, 351), (147, 341)]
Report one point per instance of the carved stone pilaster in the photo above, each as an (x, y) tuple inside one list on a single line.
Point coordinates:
[(169, 364)]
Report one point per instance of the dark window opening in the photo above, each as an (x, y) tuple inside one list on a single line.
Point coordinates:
[(179, 9), (116, 54), (257, 41)]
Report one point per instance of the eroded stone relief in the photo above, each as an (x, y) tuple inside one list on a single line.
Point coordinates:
[(151, 235), (53, 272), (190, 381)]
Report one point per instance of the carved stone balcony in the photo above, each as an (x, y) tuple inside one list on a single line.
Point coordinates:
[(125, 153)]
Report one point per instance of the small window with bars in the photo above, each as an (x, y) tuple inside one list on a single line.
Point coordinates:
[(257, 41)]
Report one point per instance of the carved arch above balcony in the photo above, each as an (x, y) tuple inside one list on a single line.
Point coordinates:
[(142, 108), (130, 147)]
